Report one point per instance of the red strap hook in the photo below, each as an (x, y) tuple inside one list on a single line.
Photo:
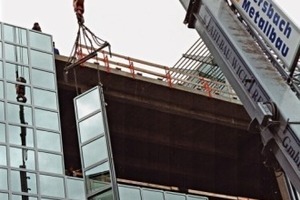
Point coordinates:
[(79, 10)]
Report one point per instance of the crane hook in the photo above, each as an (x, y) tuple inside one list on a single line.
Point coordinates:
[(79, 10)]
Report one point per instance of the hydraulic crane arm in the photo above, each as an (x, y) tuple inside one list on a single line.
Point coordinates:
[(266, 96)]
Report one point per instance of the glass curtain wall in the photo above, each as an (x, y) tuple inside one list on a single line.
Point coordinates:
[(95, 149), (138, 193), (31, 164)]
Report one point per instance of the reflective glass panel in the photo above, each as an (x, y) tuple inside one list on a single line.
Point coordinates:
[(10, 72), (91, 127), (88, 103), (3, 196), (174, 196), (14, 115), (48, 140), (152, 194), (40, 41), (99, 169), (15, 34), (50, 163), (94, 152), (2, 132), (16, 54), (98, 177), (129, 193), (3, 160), (12, 96), (45, 99), (75, 189), (3, 178), (52, 186), (43, 79), (1, 63), (0, 49), (18, 197), (22, 155), (1, 90), (42, 60), (14, 133), (28, 180), (104, 196), (46, 119), (1, 111), (196, 198)]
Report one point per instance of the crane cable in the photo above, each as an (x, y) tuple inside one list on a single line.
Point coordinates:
[(84, 38)]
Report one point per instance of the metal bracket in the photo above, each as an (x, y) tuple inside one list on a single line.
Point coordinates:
[(193, 7)]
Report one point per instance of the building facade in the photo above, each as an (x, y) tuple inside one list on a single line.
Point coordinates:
[(32, 164)]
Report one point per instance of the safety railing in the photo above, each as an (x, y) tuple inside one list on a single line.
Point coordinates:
[(136, 68)]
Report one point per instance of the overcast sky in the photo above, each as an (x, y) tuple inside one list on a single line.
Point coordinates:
[(148, 30)]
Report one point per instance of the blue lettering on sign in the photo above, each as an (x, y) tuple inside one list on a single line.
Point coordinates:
[(267, 26)]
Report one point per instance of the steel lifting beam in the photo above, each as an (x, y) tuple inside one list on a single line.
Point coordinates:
[(266, 96)]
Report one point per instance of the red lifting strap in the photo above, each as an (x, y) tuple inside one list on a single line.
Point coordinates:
[(78, 6)]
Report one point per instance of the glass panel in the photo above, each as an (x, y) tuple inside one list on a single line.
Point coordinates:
[(3, 160), (22, 181), (18, 197), (196, 198), (0, 49), (52, 186), (40, 41), (16, 54), (22, 158), (50, 163), (14, 114), (12, 95), (94, 152), (10, 70), (45, 99), (174, 196), (43, 79), (98, 177), (88, 103), (15, 136), (75, 189), (2, 132), (1, 63), (15, 34), (3, 178), (48, 141), (152, 194), (46, 119), (91, 127), (3, 196), (1, 111), (8, 33), (42, 60), (108, 195), (1, 90), (129, 193)]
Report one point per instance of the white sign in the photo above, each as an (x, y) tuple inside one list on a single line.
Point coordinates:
[(281, 34)]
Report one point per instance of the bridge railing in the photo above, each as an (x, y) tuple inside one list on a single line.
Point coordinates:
[(137, 68)]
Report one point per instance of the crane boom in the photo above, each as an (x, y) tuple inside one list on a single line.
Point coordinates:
[(265, 94)]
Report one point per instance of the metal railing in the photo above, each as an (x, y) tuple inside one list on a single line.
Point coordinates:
[(171, 77)]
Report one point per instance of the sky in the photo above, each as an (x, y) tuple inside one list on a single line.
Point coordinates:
[(149, 30)]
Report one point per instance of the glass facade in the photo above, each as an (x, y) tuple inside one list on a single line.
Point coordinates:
[(95, 146), (138, 193), (31, 164)]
